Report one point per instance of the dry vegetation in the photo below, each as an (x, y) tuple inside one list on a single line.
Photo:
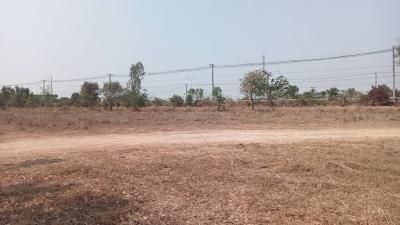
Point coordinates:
[(48, 121), (314, 182)]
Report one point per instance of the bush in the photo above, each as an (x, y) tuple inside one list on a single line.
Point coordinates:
[(379, 96), (75, 99), (2, 101), (63, 102), (230, 101), (176, 100), (157, 102)]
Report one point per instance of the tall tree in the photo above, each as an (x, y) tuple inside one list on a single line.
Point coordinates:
[(136, 76), (89, 94), (133, 95), (253, 85)]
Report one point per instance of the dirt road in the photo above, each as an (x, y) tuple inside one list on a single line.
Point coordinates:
[(120, 141)]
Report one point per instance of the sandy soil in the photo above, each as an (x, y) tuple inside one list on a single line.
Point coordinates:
[(121, 141)]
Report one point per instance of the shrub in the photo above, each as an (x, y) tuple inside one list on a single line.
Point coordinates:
[(63, 102), (176, 100), (157, 101), (75, 99), (134, 99), (379, 96)]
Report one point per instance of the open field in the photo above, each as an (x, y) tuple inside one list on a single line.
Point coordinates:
[(317, 165), (38, 121)]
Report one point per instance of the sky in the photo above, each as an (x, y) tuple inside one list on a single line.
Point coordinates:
[(68, 39)]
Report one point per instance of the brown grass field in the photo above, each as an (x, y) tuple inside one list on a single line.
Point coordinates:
[(300, 165)]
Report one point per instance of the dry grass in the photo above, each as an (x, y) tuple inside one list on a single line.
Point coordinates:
[(40, 120), (317, 182), (310, 183)]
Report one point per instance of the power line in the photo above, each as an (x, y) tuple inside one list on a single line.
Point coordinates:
[(336, 69), (179, 71), (266, 63), (305, 60), (81, 79), (25, 84), (229, 66)]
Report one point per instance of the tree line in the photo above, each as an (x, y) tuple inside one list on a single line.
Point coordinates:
[(257, 86)]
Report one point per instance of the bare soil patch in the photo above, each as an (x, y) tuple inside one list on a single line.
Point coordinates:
[(195, 138)]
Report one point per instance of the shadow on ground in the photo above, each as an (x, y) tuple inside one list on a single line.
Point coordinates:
[(30, 203), (29, 163)]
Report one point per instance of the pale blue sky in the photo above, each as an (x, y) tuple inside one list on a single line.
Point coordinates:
[(73, 39)]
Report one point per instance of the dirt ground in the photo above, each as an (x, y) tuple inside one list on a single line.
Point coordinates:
[(317, 165)]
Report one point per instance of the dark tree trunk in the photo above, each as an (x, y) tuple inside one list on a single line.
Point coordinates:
[(252, 102)]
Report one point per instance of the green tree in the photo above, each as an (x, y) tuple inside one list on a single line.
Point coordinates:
[(143, 99), (310, 97), (22, 96), (133, 92), (189, 98), (89, 94), (292, 92), (111, 91), (7, 94), (75, 99), (332, 94), (217, 93), (193, 96), (17, 96), (275, 88), (253, 85), (199, 94)]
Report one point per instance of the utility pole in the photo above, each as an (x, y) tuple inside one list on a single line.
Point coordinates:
[(212, 79), (109, 79), (186, 91), (51, 85), (394, 74), (191, 80), (44, 92), (376, 79), (263, 63)]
